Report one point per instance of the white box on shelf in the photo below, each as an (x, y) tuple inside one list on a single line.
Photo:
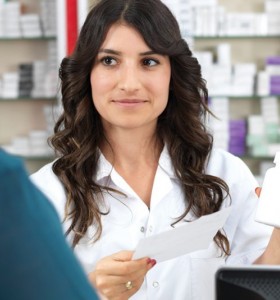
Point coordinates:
[(263, 83), (224, 54)]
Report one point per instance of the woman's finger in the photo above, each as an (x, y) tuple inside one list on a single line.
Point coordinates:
[(118, 276), (116, 265), (258, 191)]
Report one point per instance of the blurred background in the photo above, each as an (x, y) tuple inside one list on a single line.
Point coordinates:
[(236, 42)]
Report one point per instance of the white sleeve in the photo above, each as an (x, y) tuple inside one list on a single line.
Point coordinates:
[(51, 186), (247, 237)]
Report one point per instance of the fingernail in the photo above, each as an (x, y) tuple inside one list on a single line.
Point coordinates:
[(153, 262), (149, 261)]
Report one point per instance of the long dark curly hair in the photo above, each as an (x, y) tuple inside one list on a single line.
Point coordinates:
[(78, 132)]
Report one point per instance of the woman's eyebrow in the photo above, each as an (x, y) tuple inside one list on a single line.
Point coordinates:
[(150, 52), (109, 51), (115, 52)]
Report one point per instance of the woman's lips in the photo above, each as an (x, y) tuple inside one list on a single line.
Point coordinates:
[(129, 102)]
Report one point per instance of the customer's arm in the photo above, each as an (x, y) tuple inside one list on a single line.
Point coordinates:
[(35, 260)]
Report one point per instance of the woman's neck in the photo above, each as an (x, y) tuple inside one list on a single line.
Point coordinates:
[(134, 155), (131, 148)]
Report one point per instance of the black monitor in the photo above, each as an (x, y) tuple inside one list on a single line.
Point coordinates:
[(254, 282)]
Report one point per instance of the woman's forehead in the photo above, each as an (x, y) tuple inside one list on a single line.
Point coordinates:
[(122, 35)]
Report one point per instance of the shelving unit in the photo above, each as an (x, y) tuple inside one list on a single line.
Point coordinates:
[(246, 33), (232, 37), (20, 99), (244, 49), (20, 115)]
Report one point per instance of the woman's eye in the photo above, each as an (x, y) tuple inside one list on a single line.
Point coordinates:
[(109, 61), (150, 62)]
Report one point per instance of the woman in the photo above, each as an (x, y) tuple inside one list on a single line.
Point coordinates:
[(135, 158)]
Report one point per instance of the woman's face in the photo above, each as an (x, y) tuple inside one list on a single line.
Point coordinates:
[(129, 82)]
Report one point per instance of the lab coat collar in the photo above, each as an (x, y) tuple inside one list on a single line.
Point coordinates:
[(165, 163), (105, 168)]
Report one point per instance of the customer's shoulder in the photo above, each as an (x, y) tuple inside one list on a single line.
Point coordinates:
[(9, 163)]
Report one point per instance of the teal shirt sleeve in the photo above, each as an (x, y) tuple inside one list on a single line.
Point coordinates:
[(35, 259)]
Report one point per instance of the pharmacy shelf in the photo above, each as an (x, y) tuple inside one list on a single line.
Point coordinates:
[(37, 158), (40, 38), (51, 99), (31, 157), (239, 37), (241, 97), (256, 158), (21, 115)]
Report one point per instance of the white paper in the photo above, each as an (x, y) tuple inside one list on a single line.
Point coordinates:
[(193, 236)]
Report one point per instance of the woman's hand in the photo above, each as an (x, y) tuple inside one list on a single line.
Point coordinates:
[(258, 191), (117, 277)]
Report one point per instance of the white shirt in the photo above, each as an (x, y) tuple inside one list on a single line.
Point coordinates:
[(186, 277)]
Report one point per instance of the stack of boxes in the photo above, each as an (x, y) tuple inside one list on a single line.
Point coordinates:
[(239, 80), (32, 144), (272, 10), (182, 10), (228, 134), (45, 74), (25, 80), (10, 85), (10, 20), (52, 113), (211, 19), (243, 79), (38, 79), (35, 79), (13, 24), (268, 80), (237, 137), (263, 137), (256, 135), (30, 26), (225, 78), (1, 19), (270, 114), (219, 123), (48, 17), (35, 142), (273, 70)]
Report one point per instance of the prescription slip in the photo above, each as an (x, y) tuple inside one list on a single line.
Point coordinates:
[(189, 237)]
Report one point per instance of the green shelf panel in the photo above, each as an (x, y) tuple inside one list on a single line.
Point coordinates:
[(41, 38), (11, 100), (256, 158)]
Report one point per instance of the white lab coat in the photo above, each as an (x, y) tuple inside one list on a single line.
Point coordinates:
[(190, 276)]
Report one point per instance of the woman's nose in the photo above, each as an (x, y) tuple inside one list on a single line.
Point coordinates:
[(129, 79)]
